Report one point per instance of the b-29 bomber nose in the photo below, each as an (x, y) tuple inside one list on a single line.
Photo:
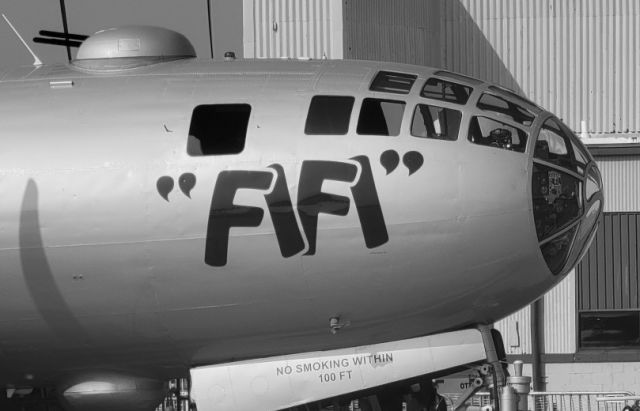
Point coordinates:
[(567, 196)]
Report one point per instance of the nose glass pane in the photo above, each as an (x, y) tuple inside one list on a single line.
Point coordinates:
[(594, 183), (556, 251), (557, 147), (591, 188), (589, 221), (556, 200)]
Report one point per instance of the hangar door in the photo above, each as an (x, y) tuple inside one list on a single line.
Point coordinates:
[(291, 28), (608, 286)]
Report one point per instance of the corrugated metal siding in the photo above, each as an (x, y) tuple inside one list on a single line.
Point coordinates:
[(293, 28), (608, 275), (578, 58), (559, 323), (621, 180), (402, 31), (560, 317), (516, 332)]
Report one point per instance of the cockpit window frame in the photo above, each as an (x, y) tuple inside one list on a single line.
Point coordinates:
[(445, 126), (460, 93), (458, 77), (473, 128), (393, 82), (510, 94), (512, 112), (575, 167)]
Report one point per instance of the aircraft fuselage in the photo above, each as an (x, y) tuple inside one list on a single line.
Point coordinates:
[(120, 250)]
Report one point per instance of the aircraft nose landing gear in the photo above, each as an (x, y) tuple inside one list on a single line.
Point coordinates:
[(493, 374)]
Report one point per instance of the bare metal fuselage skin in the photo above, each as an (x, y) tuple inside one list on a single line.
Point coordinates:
[(99, 271)]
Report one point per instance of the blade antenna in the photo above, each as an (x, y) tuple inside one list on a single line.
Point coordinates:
[(36, 60), (210, 27), (63, 11)]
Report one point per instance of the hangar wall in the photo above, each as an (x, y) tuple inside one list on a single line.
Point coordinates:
[(621, 176), (293, 28), (577, 58), (407, 31)]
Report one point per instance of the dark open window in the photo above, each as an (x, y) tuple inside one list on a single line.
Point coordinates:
[(608, 285), (610, 329), (329, 115), (443, 90), (435, 122), (218, 129), (380, 117), (488, 132), (390, 82)]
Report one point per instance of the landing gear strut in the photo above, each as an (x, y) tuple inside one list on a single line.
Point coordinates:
[(492, 375)]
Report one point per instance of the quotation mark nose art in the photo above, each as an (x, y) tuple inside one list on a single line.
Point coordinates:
[(186, 182), (311, 201), (390, 159)]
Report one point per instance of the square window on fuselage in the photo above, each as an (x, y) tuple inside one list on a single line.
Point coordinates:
[(218, 129), (329, 115), (380, 117), (435, 122)]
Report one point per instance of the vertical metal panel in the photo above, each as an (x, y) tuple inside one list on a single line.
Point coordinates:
[(634, 250), (600, 241), (621, 179), (608, 275), (516, 332), (293, 28), (560, 318), (404, 31), (578, 58), (624, 261)]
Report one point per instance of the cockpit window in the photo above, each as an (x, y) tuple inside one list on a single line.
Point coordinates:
[(515, 96), (390, 82), (458, 77), (218, 129), (557, 200), (556, 147), (437, 89), (488, 132), (581, 157), (329, 115), (380, 117), (500, 106), (435, 122)]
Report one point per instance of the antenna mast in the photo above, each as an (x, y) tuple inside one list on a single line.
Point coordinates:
[(65, 27), (36, 60), (210, 27)]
